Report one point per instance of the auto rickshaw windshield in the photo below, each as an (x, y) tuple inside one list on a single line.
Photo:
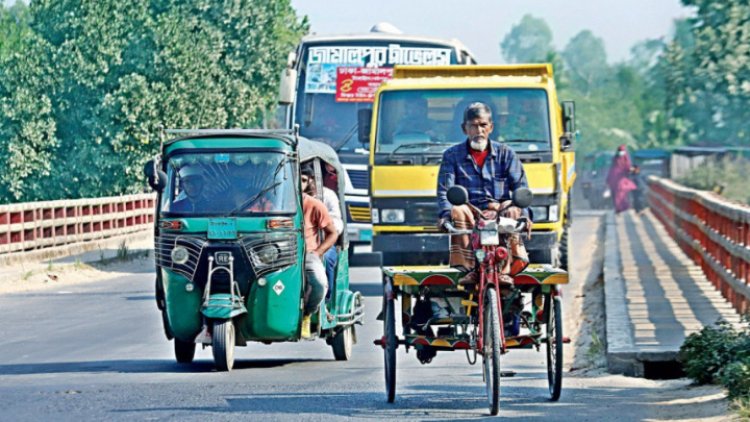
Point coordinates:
[(229, 183)]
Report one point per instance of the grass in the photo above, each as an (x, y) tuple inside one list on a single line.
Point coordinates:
[(50, 267), (27, 275), (596, 348), (78, 265), (123, 253), (742, 406), (727, 177)]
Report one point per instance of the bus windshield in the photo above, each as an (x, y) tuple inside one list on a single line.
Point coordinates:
[(423, 117), (336, 79), (229, 183)]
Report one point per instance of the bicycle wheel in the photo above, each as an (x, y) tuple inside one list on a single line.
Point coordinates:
[(389, 333), (491, 350), (554, 346)]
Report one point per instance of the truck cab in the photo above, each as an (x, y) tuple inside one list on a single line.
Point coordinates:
[(418, 114)]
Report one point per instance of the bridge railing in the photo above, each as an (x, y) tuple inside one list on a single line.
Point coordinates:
[(36, 225), (713, 232)]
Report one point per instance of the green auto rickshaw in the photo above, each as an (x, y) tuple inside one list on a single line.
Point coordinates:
[(229, 243)]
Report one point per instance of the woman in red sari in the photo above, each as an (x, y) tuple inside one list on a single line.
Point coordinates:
[(617, 179)]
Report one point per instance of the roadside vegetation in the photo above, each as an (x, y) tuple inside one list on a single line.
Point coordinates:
[(727, 177), (721, 355)]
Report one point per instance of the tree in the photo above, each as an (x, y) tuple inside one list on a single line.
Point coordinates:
[(586, 60), (528, 42), (110, 73), (14, 27)]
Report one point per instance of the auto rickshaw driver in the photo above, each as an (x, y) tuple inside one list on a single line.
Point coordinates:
[(316, 218), (191, 199)]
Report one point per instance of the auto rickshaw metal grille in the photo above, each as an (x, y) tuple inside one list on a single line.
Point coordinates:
[(166, 242), (270, 252)]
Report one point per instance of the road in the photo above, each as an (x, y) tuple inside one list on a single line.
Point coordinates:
[(96, 352)]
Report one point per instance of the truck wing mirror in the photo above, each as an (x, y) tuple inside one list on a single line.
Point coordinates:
[(569, 116), (364, 119), (457, 195), (156, 178), (522, 197)]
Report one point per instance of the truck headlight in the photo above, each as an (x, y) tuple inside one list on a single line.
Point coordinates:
[(375, 216), (180, 255), (392, 215), (539, 213)]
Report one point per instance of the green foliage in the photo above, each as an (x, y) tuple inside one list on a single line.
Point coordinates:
[(709, 63), (528, 42), (736, 378), (708, 354), (727, 176), (79, 110), (14, 27)]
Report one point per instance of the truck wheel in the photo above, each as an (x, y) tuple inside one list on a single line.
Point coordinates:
[(565, 249)]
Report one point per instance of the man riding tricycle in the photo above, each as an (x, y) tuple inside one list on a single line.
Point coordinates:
[(231, 247), (489, 299)]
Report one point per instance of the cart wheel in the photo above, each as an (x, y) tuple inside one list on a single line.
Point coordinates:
[(184, 351), (342, 343), (554, 346), (223, 345), (389, 331), (491, 355)]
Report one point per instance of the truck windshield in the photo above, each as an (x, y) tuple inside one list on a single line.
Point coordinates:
[(222, 184), (521, 117), (337, 79)]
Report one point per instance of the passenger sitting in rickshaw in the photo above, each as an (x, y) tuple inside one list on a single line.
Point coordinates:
[(331, 201), (316, 218), (489, 171)]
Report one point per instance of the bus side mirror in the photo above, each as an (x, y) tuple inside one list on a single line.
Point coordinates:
[(156, 178), (364, 119), (287, 86)]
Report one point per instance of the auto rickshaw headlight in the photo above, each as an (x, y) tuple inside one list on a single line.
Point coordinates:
[(180, 255), (268, 254)]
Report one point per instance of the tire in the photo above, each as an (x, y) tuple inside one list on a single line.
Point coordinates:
[(554, 346), (223, 339), (184, 351), (342, 343), (565, 249), (491, 353), (389, 351)]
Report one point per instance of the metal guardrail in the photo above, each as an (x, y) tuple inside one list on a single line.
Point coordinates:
[(713, 232), (36, 225)]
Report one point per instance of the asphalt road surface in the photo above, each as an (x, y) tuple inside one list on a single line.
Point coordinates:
[(97, 352)]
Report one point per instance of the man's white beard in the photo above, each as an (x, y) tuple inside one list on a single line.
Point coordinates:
[(478, 145)]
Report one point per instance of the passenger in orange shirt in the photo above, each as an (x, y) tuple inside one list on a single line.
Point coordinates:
[(316, 218)]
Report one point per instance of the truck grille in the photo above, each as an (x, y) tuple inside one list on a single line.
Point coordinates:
[(360, 178), (360, 214)]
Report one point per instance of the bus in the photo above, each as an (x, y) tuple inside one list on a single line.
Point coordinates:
[(330, 80)]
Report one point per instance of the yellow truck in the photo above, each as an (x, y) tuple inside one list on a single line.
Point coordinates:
[(418, 114)]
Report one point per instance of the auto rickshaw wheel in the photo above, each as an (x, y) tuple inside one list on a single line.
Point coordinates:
[(491, 350), (342, 343), (554, 346), (184, 351), (389, 351), (223, 340)]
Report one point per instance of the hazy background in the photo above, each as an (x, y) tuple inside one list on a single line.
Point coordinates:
[(483, 24)]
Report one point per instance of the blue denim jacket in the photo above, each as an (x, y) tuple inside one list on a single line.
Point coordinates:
[(501, 174)]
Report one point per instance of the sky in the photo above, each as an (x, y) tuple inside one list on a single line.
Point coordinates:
[(482, 24)]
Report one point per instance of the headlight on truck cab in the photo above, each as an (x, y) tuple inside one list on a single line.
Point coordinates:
[(545, 213), (539, 213), (392, 216)]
